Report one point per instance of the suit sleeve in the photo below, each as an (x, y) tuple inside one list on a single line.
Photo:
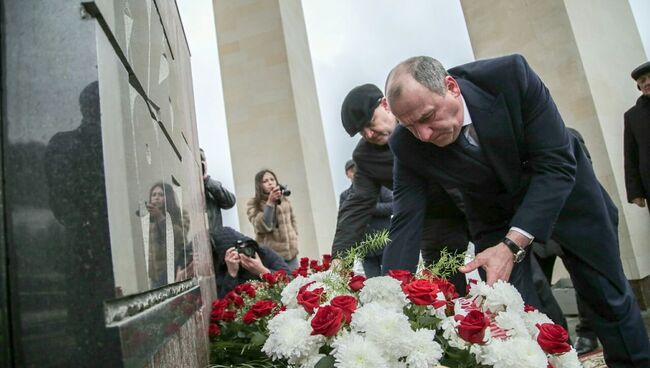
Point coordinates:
[(355, 213), (551, 166), (384, 207), (633, 183), (409, 205)]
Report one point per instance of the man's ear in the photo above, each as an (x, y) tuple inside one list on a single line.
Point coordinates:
[(384, 103), (452, 86)]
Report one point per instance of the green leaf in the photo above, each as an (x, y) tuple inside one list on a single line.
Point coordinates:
[(325, 362), (258, 339)]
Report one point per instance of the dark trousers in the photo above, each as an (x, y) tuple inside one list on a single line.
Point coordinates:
[(438, 234), (372, 265)]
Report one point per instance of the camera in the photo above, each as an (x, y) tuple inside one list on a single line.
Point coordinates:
[(284, 190), (247, 248)]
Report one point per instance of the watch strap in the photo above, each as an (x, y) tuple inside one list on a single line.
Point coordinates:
[(514, 248)]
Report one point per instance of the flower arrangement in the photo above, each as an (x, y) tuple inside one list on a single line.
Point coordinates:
[(329, 317)]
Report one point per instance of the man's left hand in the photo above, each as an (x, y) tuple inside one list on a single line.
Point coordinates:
[(497, 261)]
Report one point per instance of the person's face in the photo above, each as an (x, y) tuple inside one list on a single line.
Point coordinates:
[(380, 126), (644, 84), (268, 182), (157, 197), (350, 173), (428, 116)]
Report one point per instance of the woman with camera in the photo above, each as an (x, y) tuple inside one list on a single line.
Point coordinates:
[(272, 217)]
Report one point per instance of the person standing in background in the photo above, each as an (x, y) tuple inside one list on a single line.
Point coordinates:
[(636, 137), (380, 220), (272, 217), (217, 198)]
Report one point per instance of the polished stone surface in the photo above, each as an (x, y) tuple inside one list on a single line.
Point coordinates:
[(102, 188)]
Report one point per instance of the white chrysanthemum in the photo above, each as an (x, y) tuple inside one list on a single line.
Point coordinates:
[(290, 292), (392, 332), (290, 337), (311, 361), (424, 352), (354, 351), (531, 319), (449, 333), (513, 323), (514, 353), (439, 313), (504, 296), (366, 316), (566, 360), (384, 290), (480, 288)]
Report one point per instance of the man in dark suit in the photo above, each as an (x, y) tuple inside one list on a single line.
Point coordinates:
[(491, 131), (636, 137), (365, 111)]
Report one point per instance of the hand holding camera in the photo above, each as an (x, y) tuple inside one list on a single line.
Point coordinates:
[(244, 253)]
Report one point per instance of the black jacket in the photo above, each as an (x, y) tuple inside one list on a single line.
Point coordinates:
[(374, 165), (216, 199), (636, 137), (380, 219)]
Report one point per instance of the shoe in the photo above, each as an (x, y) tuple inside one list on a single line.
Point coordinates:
[(585, 345)]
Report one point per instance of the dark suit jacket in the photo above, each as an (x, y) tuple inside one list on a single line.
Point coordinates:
[(636, 137), (550, 187)]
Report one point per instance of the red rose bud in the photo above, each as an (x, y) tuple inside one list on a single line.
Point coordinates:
[(421, 292), (403, 276), (304, 262), (300, 271), (327, 321), (280, 276), (214, 330), (263, 308), (472, 327), (327, 260), (313, 264), (529, 308), (249, 317), (347, 304), (310, 299), (448, 289), (356, 282), (553, 338)]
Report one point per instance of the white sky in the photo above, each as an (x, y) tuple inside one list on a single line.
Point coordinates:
[(352, 43)]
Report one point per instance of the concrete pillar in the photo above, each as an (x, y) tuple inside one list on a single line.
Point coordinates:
[(272, 112), (584, 51)]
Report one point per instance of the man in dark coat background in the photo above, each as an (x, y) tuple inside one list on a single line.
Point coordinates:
[(491, 131), (636, 137)]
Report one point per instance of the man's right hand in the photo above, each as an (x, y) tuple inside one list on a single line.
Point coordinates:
[(639, 201)]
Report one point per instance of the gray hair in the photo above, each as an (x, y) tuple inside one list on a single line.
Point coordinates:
[(425, 70)]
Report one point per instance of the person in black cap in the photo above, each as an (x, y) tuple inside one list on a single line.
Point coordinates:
[(365, 111), (380, 220), (232, 265), (636, 136)]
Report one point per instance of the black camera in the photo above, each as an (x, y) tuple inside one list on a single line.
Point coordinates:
[(284, 190), (247, 248)]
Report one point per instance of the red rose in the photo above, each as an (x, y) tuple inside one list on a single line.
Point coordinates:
[(237, 300), (218, 307), (403, 276), (300, 271), (553, 338), (347, 304), (310, 299), (214, 330), (263, 308), (529, 308), (249, 317), (245, 288), (327, 260), (356, 282), (304, 262), (472, 327), (228, 315), (448, 289), (421, 292), (327, 321), (269, 278)]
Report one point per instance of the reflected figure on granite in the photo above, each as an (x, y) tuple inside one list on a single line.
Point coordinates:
[(74, 171), (164, 227)]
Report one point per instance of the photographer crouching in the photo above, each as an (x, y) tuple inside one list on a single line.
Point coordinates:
[(238, 259)]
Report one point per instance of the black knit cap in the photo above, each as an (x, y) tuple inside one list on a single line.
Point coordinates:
[(227, 237), (349, 164), (359, 106), (640, 70)]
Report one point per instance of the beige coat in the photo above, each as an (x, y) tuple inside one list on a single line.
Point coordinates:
[(282, 237)]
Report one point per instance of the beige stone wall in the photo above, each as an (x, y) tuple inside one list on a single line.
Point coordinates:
[(272, 112), (584, 51)]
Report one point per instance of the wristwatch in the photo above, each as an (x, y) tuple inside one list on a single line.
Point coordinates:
[(517, 252)]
